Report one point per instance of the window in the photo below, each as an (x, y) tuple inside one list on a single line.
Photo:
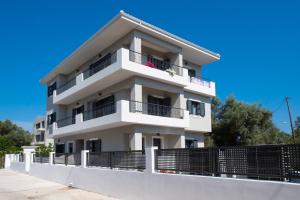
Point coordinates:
[(189, 143), (159, 106), (43, 124), (104, 107), (93, 146), (157, 142), (70, 147), (51, 118), (51, 88), (192, 73), (75, 112), (59, 148), (38, 125), (42, 136), (196, 108)]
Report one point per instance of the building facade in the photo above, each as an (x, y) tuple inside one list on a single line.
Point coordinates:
[(130, 86), (40, 136)]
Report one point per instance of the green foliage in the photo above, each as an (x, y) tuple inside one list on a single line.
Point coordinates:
[(44, 150), (237, 123), (297, 130), (13, 137)]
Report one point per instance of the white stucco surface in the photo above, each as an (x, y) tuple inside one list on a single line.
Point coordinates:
[(134, 185)]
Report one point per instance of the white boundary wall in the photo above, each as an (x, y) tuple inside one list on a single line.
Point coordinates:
[(148, 185)]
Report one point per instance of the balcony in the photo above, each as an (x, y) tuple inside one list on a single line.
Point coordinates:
[(121, 113), (116, 67), (201, 86)]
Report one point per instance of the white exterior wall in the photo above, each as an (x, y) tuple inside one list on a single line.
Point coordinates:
[(132, 185)]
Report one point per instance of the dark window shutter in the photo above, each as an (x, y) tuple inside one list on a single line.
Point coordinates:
[(202, 109), (98, 145), (189, 106), (198, 108)]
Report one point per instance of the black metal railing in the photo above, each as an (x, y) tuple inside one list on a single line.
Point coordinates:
[(263, 162), (40, 158), (118, 159), (21, 157), (101, 64), (150, 61), (156, 109), (66, 121), (100, 111), (67, 158), (200, 81), (70, 83)]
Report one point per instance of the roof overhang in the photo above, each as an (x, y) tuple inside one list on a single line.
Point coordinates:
[(117, 28)]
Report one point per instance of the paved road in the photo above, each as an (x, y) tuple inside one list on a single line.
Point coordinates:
[(16, 186)]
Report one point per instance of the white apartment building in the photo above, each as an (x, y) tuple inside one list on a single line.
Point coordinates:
[(130, 86), (39, 132)]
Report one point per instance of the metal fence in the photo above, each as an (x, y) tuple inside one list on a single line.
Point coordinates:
[(21, 157), (67, 158), (265, 162), (156, 109), (39, 158), (118, 159)]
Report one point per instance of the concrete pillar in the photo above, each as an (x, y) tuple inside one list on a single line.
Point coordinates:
[(136, 48), (7, 161), (136, 43), (84, 158), (150, 160), (136, 93), (79, 78), (51, 157), (79, 118), (28, 150), (135, 141)]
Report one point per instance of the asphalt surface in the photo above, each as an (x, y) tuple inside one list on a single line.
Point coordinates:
[(17, 186)]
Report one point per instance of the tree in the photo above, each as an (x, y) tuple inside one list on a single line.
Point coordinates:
[(297, 130), (13, 137), (237, 123), (44, 150)]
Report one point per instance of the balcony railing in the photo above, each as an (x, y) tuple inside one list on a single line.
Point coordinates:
[(150, 61), (100, 111), (66, 86), (100, 65), (200, 81), (156, 109), (66, 121)]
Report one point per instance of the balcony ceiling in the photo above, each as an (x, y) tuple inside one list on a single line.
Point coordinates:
[(119, 26)]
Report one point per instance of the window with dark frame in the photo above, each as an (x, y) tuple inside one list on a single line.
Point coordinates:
[(51, 88), (51, 118), (196, 108), (192, 73), (94, 146)]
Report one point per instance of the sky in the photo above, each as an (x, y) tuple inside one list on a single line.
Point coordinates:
[(259, 43)]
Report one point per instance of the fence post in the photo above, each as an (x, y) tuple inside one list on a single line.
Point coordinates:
[(84, 158), (150, 160), (51, 158), (7, 161), (28, 152), (66, 159)]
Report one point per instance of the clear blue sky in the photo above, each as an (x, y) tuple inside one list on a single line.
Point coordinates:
[(258, 41)]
